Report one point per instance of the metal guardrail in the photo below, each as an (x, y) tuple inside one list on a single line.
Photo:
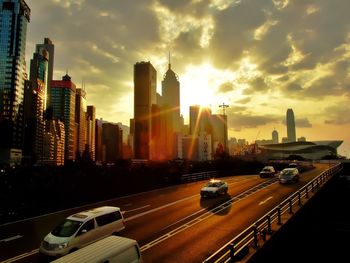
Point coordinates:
[(262, 227), (197, 176)]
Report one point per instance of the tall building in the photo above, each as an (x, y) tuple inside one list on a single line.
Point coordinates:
[(50, 48), (219, 131), (112, 138), (34, 106), (291, 136), (275, 138), (80, 120), (200, 120), (63, 108), (99, 158), (53, 143), (194, 119), (90, 125), (14, 17), (171, 117), (145, 95), (171, 96)]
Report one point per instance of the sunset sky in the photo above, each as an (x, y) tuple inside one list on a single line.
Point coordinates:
[(260, 57)]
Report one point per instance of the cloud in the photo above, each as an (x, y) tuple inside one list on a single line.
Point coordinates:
[(239, 119), (244, 100), (337, 114), (303, 123), (278, 51), (226, 87)]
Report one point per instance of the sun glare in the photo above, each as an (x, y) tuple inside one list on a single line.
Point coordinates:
[(199, 86)]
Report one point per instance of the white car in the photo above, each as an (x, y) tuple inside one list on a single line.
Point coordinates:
[(214, 188), (82, 229), (289, 175)]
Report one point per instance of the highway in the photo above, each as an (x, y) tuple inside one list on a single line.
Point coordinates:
[(172, 224)]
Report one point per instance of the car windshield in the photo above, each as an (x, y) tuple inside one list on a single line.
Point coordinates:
[(213, 184), (287, 172), (67, 228), (266, 170)]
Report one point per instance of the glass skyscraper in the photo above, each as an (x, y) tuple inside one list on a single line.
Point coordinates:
[(14, 17), (63, 94)]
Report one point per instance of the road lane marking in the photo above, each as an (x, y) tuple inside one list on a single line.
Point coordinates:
[(267, 199), (139, 208), (159, 208), (24, 255), (11, 238), (208, 214)]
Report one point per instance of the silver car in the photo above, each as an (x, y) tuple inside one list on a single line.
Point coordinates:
[(289, 175), (214, 188)]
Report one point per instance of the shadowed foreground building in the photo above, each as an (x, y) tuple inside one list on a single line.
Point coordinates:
[(145, 78), (14, 17), (112, 138), (35, 104), (53, 143)]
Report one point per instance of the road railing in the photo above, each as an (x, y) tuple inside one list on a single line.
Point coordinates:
[(256, 234), (198, 176)]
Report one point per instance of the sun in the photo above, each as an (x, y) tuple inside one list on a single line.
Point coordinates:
[(199, 86)]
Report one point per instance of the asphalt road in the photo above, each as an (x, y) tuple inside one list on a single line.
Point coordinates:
[(172, 224)]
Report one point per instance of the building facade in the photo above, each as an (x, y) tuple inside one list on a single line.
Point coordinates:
[(50, 49), (34, 106), (112, 138), (63, 108), (90, 134), (291, 135), (145, 95), (81, 121), (14, 17)]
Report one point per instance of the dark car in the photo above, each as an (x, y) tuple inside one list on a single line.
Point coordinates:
[(289, 175), (267, 171)]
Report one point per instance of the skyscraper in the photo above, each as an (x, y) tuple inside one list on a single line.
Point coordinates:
[(34, 105), (112, 137), (63, 108), (50, 48), (99, 156), (170, 111), (145, 81), (90, 125), (291, 136), (275, 137), (219, 131), (80, 119), (171, 96), (14, 17)]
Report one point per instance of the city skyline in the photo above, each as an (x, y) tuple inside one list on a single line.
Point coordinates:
[(269, 64)]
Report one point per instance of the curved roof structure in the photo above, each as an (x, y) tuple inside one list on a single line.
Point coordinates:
[(302, 147)]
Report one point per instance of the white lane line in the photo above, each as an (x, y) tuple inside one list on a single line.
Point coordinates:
[(159, 208), (139, 208), (267, 199), (24, 255), (10, 238)]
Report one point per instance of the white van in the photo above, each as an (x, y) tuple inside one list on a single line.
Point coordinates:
[(113, 249), (82, 229)]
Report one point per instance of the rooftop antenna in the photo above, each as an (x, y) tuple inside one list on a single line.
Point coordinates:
[(223, 106), (169, 61)]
